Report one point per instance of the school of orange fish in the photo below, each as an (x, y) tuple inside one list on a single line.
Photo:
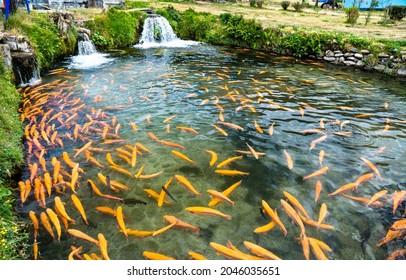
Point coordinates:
[(58, 119)]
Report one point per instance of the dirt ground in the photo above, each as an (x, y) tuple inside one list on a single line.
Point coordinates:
[(272, 14)]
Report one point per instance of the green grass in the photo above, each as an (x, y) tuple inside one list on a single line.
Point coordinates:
[(13, 239), (36, 28)]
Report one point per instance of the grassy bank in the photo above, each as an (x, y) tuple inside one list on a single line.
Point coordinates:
[(13, 239), (235, 30), (272, 15), (42, 31)]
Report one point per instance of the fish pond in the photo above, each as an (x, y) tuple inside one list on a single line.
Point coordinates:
[(148, 118)]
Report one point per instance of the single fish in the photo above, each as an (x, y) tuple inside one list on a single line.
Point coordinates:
[(181, 179), (168, 193), (155, 256), (46, 224), (372, 167), (103, 246), (213, 157), (79, 207), (82, 235), (318, 188), (183, 157), (322, 213), (162, 230), (120, 220), (265, 228), (316, 173), (55, 222), (196, 256), (206, 211), (228, 161), (227, 172), (289, 160)]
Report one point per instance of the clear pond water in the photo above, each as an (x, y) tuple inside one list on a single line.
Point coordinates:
[(362, 114)]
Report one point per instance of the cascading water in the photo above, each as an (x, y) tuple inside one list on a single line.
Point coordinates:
[(88, 57), (86, 46), (157, 32)]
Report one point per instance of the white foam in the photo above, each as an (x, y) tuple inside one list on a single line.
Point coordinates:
[(89, 61), (172, 44)]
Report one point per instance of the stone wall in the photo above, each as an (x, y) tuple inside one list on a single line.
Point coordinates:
[(364, 59)]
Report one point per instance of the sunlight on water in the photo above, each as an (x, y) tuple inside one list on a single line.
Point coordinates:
[(282, 105)]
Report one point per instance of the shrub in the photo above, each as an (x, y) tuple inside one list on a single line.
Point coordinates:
[(117, 28), (352, 15), (285, 5), (260, 3), (396, 12), (298, 6), (253, 3)]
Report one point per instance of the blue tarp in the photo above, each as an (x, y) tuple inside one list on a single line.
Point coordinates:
[(7, 6), (365, 4)]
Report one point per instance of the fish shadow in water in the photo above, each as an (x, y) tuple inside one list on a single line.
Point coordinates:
[(190, 170)]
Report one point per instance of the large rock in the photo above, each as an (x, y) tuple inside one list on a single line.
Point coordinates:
[(401, 72), (329, 58)]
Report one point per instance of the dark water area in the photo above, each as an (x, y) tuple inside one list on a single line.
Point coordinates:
[(350, 116)]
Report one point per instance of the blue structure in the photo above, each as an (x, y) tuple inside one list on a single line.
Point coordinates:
[(365, 4)]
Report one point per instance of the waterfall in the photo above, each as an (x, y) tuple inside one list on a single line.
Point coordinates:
[(87, 57), (157, 32), (25, 67), (86, 46)]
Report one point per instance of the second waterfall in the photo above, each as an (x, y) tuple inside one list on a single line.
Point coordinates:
[(157, 32)]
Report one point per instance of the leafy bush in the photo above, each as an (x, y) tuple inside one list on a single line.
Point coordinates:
[(285, 4), (99, 40), (194, 26), (117, 28), (298, 6), (396, 12), (260, 3), (253, 3), (352, 15)]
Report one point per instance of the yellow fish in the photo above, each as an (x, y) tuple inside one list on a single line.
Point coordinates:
[(120, 220), (155, 256), (228, 172), (213, 157), (228, 161), (206, 211), (103, 246), (181, 179), (80, 208), (183, 157), (55, 221)]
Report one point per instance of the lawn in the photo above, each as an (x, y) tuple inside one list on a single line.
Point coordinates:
[(272, 14)]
